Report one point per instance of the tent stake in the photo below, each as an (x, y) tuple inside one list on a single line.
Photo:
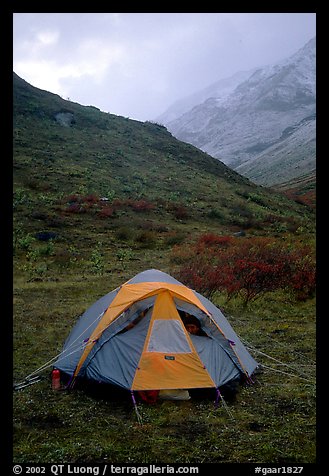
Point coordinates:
[(224, 404), (27, 382), (139, 418), (217, 397)]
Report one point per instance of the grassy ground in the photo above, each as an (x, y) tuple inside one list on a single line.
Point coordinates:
[(272, 420)]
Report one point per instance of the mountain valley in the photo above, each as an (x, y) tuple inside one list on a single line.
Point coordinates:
[(261, 123)]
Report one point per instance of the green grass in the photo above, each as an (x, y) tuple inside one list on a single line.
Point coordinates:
[(274, 419)]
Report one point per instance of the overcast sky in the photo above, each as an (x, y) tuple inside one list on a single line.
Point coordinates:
[(138, 64)]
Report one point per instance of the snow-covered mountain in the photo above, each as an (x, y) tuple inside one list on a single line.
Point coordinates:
[(248, 119), (220, 90), (294, 155)]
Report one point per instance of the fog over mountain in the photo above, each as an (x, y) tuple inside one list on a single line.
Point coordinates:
[(259, 122)]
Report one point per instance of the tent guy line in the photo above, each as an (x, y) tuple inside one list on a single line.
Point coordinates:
[(49, 363), (253, 349)]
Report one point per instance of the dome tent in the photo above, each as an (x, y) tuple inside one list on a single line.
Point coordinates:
[(158, 352)]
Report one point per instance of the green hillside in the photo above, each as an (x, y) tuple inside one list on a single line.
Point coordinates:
[(99, 198), (150, 179)]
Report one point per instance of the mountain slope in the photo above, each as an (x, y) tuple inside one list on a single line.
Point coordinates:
[(301, 189), (83, 174), (244, 125), (293, 155)]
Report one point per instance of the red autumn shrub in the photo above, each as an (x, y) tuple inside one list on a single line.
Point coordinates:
[(303, 277), (75, 208), (180, 212), (106, 212), (246, 267), (210, 240), (91, 198), (201, 276), (142, 205)]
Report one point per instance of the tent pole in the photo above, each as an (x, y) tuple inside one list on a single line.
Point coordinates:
[(70, 384)]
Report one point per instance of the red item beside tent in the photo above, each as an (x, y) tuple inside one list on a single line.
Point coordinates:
[(149, 396)]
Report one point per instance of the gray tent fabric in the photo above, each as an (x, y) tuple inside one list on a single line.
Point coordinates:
[(74, 344), (220, 368), (248, 362), (115, 355), (79, 336), (116, 360), (153, 275)]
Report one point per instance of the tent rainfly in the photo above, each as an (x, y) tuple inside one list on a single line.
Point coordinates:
[(158, 353)]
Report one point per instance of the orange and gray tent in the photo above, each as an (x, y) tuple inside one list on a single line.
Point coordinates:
[(157, 353)]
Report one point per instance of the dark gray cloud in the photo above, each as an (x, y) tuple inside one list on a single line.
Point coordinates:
[(138, 64)]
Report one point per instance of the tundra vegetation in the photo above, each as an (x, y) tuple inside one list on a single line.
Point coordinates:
[(102, 198)]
